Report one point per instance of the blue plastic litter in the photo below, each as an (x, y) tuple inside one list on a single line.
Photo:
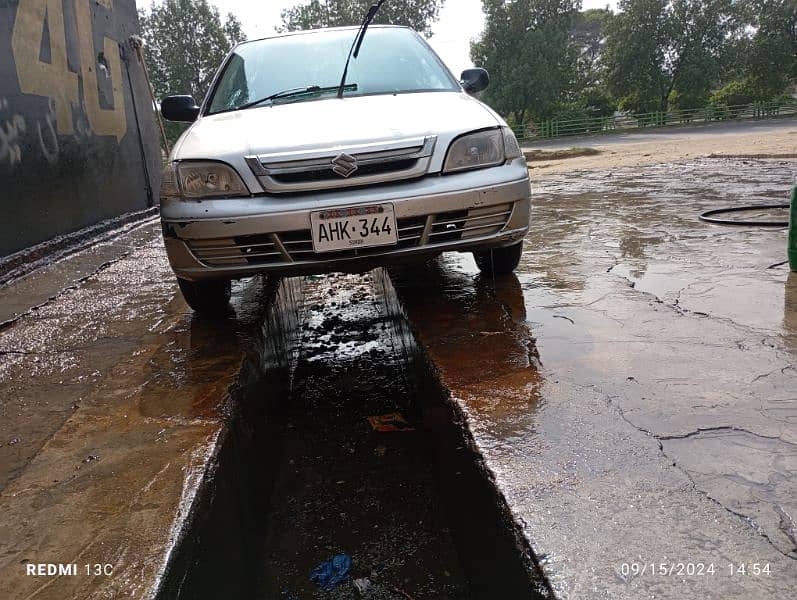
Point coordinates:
[(332, 572)]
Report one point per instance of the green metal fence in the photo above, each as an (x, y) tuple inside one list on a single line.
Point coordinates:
[(624, 123)]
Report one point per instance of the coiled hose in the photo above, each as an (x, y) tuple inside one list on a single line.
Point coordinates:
[(709, 216)]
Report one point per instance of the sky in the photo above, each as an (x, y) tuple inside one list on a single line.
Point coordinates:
[(460, 21)]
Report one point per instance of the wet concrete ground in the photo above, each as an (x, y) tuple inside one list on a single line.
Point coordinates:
[(115, 400), (51, 279), (633, 388), (628, 399), (197, 458)]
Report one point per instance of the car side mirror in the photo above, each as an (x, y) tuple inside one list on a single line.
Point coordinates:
[(475, 80), (179, 108)]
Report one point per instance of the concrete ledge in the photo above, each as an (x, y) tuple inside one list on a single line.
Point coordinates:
[(25, 261)]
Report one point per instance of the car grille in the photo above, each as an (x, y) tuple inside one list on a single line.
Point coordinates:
[(326, 174), (297, 246), (313, 171)]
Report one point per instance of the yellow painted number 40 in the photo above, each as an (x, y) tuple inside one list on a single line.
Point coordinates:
[(54, 79)]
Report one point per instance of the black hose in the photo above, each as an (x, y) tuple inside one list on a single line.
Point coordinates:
[(708, 216)]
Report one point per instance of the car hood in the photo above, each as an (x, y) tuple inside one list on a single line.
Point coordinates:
[(333, 122)]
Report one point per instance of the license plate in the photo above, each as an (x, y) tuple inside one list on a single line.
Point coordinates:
[(353, 228)]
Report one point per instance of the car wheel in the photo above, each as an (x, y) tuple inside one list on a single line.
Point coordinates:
[(210, 297), (499, 261)]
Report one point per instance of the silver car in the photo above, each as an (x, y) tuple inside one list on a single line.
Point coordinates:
[(286, 170)]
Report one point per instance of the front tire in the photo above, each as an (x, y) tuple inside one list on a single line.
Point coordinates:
[(499, 261), (210, 297)]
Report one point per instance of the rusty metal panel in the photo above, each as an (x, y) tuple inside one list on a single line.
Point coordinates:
[(78, 141)]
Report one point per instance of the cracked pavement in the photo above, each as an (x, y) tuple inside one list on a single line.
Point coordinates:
[(711, 296), (636, 391)]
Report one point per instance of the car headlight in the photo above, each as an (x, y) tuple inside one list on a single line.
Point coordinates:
[(169, 188), (209, 180), (475, 151), (511, 147)]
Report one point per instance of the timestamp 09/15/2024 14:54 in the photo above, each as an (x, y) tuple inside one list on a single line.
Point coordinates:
[(695, 569)]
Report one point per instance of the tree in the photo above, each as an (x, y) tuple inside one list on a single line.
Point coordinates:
[(771, 53), (660, 50), (419, 14), (736, 93), (589, 31), (591, 95), (528, 48), (185, 41)]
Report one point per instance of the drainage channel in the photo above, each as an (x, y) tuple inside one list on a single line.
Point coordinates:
[(310, 474)]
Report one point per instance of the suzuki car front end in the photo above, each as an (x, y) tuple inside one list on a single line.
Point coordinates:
[(287, 170)]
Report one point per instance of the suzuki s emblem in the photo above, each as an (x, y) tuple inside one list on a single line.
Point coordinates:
[(344, 164)]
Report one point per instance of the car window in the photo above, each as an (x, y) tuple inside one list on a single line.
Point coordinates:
[(391, 60)]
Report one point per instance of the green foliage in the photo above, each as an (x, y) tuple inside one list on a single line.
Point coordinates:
[(771, 52), (530, 53), (694, 83), (185, 41), (690, 99), (637, 103), (598, 102), (577, 117), (665, 54), (589, 31), (586, 114), (656, 47), (419, 14), (547, 58), (736, 93)]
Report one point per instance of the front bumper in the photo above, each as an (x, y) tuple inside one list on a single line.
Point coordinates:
[(234, 238)]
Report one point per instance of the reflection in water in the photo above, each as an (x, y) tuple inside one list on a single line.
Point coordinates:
[(190, 371), (507, 291), (634, 245), (475, 328), (585, 223), (549, 227)]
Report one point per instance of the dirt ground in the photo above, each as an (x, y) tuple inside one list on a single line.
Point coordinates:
[(778, 139)]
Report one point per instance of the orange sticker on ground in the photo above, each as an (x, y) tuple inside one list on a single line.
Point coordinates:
[(390, 422)]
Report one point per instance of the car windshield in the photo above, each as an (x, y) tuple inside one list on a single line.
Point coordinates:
[(392, 60)]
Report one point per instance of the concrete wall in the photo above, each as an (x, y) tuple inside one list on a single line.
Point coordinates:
[(78, 140)]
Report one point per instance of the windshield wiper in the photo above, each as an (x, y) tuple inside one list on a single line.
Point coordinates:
[(313, 89), (358, 40)]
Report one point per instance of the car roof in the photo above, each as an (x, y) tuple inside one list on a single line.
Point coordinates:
[(322, 30)]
